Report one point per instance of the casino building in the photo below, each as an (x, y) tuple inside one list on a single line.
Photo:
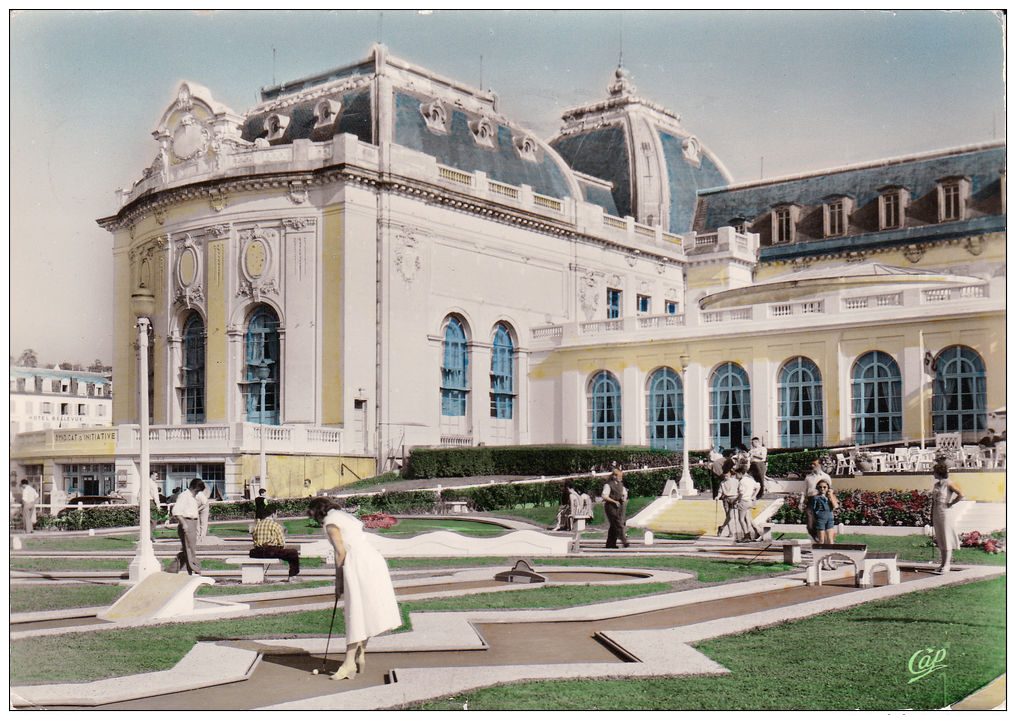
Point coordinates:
[(376, 258)]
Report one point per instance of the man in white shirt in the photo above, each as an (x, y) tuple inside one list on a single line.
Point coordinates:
[(811, 489), (28, 498), (186, 510), (747, 488)]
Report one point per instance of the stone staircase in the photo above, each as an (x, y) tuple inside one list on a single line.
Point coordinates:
[(694, 515), (984, 517)]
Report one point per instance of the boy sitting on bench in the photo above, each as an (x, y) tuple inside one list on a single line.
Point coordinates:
[(270, 543)]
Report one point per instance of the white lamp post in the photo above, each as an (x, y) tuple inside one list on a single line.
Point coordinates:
[(263, 371), (144, 562), (686, 486)]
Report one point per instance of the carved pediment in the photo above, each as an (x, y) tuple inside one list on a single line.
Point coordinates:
[(437, 116), (484, 132)]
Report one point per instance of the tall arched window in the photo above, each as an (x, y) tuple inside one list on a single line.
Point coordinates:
[(959, 403), (604, 410), (876, 399), (454, 380), (665, 404), (263, 367), (194, 369), (800, 404), (730, 406), (502, 374)]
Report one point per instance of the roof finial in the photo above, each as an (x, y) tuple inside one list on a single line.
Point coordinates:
[(620, 43)]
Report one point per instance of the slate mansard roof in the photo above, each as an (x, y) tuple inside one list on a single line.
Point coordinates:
[(917, 176), (453, 141)]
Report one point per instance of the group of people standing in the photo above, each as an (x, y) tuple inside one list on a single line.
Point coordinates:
[(738, 491)]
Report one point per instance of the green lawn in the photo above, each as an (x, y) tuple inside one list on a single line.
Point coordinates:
[(401, 562), (53, 597), (547, 514), (848, 660), (124, 542), (410, 527), (79, 657), (56, 563), (917, 547)]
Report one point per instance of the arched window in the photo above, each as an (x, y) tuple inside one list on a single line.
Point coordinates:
[(502, 375), (454, 380), (730, 406), (604, 410), (665, 404), (194, 369), (800, 404), (959, 402), (876, 399), (263, 367)]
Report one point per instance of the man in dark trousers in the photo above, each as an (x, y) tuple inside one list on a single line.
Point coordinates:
[(270, 543), (261, 508), (615, 497), (185, 511)]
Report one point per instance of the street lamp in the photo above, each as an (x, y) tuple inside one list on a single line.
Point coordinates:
[(144, 562), (686, 486), (262, 371)]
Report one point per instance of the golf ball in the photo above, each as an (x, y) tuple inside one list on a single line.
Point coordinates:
[(314, 672)]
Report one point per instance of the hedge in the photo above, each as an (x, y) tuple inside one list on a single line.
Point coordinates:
[(781, 463), (549, 460)]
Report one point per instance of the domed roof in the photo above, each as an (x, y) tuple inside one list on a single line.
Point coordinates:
[(656, 167)]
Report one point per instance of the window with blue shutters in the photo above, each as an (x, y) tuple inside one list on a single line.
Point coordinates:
[(959, 403), (730, 406), (194, 369), (263, 354), (454, 381), (604, 410), (665, 403), (876, 402), (643, 303), (800, 404)]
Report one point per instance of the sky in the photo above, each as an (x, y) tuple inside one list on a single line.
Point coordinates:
[(771, 93)]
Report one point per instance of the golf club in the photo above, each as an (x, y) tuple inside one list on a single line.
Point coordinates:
[(330, 626)]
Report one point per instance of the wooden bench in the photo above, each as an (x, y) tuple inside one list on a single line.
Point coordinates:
[(254, 570)]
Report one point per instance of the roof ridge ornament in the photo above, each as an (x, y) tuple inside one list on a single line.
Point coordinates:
[(622, 84)]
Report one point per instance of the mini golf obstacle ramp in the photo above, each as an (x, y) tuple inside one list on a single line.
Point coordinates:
[(166, 595)]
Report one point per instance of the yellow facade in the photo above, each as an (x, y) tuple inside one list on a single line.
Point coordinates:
[(331, 354), (296, 476)]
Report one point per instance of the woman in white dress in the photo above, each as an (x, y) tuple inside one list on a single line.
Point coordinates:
[(368, 595), (944, 495)]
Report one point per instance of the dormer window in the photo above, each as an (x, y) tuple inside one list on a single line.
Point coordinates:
[(740, 224), (952, 198), (891, 205), (835, 215), (276, 126), (784, 220)]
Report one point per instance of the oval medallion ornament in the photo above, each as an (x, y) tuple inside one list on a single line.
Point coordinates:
[(188, 267), (254, 260), (190, 139)]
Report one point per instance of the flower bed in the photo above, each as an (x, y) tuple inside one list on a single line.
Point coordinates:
[(992, 543), (860, 508)]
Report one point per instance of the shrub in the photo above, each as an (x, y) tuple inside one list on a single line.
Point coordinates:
[(780, 463)]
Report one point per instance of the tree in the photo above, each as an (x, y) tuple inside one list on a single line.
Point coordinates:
[(28, 358), (97, 366)]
